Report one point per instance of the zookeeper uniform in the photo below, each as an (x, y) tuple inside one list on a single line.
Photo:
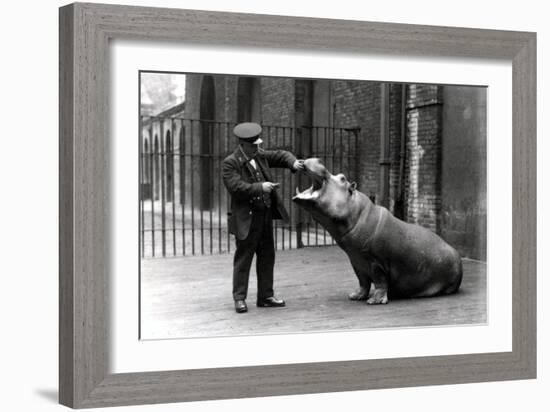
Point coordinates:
[(253, 211)]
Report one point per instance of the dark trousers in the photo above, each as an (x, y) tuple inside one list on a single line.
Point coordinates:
[(259, 242)]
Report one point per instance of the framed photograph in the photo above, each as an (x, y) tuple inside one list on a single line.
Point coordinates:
[(256, 205)]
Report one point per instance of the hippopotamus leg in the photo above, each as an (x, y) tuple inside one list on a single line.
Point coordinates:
[(362, 292), (380, 292), (379, 296)]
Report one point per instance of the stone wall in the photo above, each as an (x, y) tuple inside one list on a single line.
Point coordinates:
[(464, 170)]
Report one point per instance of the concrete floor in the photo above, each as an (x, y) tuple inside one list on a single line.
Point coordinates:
[(191, 297)]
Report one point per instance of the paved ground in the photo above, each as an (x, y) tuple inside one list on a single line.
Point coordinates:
[(191, 297)]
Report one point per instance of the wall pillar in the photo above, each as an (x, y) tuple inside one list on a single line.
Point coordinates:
[(424, 132)]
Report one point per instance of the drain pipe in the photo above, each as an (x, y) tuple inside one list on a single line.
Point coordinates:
[(384, 188), (400, 202)]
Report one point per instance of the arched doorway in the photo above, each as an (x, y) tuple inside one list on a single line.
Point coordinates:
[(145, 171), (248, 100), (169, 168), (182, 164), (207, 116), (156, 168)]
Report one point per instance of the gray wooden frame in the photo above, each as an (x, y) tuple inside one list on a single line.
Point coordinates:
[(85, 31)]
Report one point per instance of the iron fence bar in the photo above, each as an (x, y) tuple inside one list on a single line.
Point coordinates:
[(181, 151), (266, 138), (173, 186), (268, 144), (355, 159), (162, 187), (281, 173), (289, 199), (152, 166), (141, 195), (201, 197), (299, 224), (296, 180), (192, 179), (211, 184), (325, 162), (283, 185), (333, 143), (316, 152), (228, 198), (285, 192), (281, 178), (341, 151), (219, 191), (333, 159), (274, 140)]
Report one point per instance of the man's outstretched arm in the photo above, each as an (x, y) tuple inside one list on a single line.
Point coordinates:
[(284, 159)]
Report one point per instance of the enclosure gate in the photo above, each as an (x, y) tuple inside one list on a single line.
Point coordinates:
[(183, 203)]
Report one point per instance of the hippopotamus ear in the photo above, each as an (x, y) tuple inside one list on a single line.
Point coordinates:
[(352, 187)]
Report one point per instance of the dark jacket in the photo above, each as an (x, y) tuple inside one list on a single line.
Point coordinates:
[(246, 192)]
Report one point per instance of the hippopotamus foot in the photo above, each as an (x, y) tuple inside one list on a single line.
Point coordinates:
[(379, 296), (360, 293)]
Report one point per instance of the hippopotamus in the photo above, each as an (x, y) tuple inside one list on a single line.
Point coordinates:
[(401, 260)]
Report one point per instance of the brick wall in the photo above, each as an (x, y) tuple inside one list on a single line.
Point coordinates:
[(423, 191), (277, 100), (357, 104)]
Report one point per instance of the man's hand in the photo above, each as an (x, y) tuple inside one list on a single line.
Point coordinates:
[(299, 165), (267, 187)]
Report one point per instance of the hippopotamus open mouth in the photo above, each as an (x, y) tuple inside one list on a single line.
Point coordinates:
[(318, 175)]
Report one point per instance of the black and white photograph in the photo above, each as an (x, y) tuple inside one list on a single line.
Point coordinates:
[(276, 205)]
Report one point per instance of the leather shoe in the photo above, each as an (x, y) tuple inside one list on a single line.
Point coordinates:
[(240, 306), (271, 302)]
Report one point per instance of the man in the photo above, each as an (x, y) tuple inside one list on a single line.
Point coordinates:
[(254, 204)]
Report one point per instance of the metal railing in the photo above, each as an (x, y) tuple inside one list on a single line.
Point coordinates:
[(183, 203)]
